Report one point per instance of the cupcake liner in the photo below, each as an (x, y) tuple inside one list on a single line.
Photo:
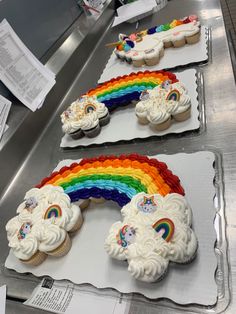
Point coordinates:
[(84, 203), (162, 276), (104, 120), (36, 259), (162, 52), (183, 115), (152, 61), (143, 121), (163, 126), (77, 225), (179, 43), (138, 63), (193, 39), (97, 200), (62, 249), (92, 132), (77, 134), (168, 44)]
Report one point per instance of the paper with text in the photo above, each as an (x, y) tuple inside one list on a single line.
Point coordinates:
[(5, 106), (25, 76), (66, 298)]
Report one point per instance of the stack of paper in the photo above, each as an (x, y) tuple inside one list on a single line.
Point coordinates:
[(65, 298), (5, 106), (23, 74), (137, 10)]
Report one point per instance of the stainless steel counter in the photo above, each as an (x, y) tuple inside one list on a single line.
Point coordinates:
[(220, 134)]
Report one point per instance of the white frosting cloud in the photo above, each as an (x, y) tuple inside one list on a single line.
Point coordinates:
[(42, 223), (156, 107), (83, 114), (149, 252)]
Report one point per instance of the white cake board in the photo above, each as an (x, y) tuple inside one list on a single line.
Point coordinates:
[(124, 124), (173, 57), (87, 261)]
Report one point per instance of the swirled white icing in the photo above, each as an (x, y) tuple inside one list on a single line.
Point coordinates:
[(89, 121), (51, 217), (145, 259), (141, 109), (157, 108), (24, 248), (174, 204), (83, 114), (50, 236), (149, 252)]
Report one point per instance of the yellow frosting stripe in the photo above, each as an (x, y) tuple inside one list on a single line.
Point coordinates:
[(152, 186)]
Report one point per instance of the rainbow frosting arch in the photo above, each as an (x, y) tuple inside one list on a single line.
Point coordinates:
[(122, 90), (116, 178)]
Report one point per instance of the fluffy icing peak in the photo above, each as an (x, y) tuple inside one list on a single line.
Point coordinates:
[(43, 220), (162, 102), (83, 114), (155, 230)]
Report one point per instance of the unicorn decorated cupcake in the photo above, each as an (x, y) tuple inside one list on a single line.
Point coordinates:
[(166, 102), (155, 230), (45, 220), (85, 116)]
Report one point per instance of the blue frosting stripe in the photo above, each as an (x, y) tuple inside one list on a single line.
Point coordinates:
[(103, 184), (129, 91), (120, 198), (121, 101)]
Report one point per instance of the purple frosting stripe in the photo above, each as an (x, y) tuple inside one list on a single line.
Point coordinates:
[(120, 198)]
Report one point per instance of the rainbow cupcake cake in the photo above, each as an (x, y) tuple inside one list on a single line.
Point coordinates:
[(90, 112), (156, 219)]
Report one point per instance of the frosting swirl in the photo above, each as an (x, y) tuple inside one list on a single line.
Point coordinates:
[(154, 231), (42, 223), (163, 102), (83, 114)]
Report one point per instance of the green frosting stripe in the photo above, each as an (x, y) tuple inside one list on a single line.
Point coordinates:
[(129, 181), (147, 85)]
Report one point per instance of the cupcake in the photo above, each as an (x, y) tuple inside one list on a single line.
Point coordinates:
[(155, 230), (85, 116), (70, 119), (163, 103), (43, 225)]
